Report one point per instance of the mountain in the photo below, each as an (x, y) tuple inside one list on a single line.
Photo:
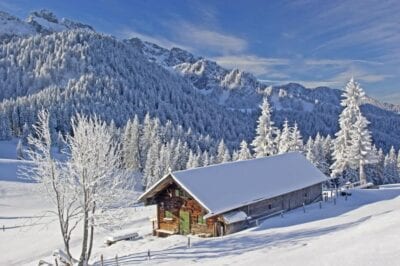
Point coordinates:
[(84, 71), (66, 66), (315, 110), (38, 22)]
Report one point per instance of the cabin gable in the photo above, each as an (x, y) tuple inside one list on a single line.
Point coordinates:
[(179, 213)]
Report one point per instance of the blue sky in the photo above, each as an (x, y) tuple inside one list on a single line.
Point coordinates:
[(316, 43)]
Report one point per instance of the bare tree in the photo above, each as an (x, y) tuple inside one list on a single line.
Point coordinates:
[(95, 165), (89, 187), (49, 173)]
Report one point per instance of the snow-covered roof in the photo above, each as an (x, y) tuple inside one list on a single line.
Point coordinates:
[(234, 217), (227, 186)]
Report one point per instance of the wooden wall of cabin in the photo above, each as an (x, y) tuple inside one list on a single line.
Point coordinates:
[(287, 201), (174, 199)]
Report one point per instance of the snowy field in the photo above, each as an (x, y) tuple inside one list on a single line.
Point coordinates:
[(364, 230)]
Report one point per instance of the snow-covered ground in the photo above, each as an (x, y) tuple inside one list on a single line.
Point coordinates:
[(364, 230)]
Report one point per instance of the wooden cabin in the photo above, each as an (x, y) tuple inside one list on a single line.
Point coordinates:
[(225, 198)]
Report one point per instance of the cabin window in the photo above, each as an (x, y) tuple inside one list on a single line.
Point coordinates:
[(168, 215), (269, 206), (176, 192), (305, 195), (201, 220)]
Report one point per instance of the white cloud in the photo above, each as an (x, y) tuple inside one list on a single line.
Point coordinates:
[(252, 63), (127, 33), (202, 38)]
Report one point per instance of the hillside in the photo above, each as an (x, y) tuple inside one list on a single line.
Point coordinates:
[(66, 66), (362, 230)]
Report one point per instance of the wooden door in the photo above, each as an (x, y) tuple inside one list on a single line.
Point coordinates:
[(184, 224)]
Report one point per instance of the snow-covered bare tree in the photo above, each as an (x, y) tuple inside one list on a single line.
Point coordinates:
[(89, 187), (264, 143), (95, 167), (50, 174)]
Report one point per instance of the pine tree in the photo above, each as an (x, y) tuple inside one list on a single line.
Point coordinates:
[(391, 174), (310, 154), (150, 174), (264, 143), (192, 161), (360, 149), (131, 149), (296, 139), (285, 139), (221, 152), (25, 133), (235, 155), (205, 158), (244, 153), (351, 134)]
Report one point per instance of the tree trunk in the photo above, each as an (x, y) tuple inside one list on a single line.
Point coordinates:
[(91, 235), (363, 177), (83, 257)]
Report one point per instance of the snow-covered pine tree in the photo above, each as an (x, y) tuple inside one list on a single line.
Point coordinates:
[(192, 161), (285, 139), (221, 152), (360, 150), (149, 173), (5, 127), (309, 149), (235, 155), (380, 166), (25, 133), (205, 158), (343, 153), (391, 174), (130, 144), (244, 153), (227, 156), (321, 154), (296, 139), (264, 144)]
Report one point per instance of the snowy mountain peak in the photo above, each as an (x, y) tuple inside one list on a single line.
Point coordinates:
[(13, 26), (38, 22), (45, 22)]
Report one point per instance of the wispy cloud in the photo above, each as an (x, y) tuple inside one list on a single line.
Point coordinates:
[(252, 63), (204, 38), (127, 33)]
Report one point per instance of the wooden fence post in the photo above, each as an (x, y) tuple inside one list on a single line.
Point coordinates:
[(304, 207), (102, 260), (188, 243), (320, 204), (56, 262), (148, 254), (116, 259)]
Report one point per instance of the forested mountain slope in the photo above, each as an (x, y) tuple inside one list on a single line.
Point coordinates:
[(65, 66)]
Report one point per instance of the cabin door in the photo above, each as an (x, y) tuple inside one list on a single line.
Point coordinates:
[(184, 223)]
